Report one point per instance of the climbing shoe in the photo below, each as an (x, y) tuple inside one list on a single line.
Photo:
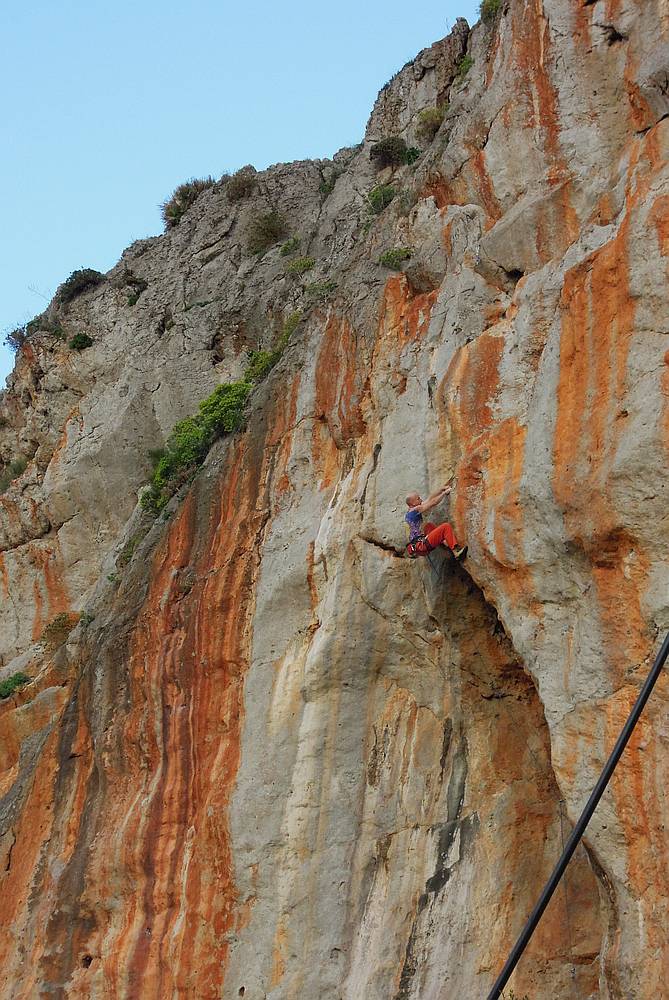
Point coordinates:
[(460, 552)]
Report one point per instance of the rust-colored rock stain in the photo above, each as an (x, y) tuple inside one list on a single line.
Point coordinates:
[(598, 320), (162, 846), (4, 575), (187, 663), (49, 588), (341, 381)]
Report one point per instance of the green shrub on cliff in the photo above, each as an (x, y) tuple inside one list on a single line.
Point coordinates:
[(393, 152), (12, 472), (394, 258), (389, 152), (181, 199), (261, 362), (300, 265), (12, 684), (16, 338), (429, 122), (57, 631), (318, 291), (291, 246), (242, 184), (220, 413), (489, 10), (264, 231), (79, 282), (463, 68), (326, 186), (380, 197), (81, 341)]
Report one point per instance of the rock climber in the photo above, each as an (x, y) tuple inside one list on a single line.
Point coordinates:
[(424, 538)]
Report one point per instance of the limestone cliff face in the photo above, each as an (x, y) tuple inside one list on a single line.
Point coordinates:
[(282, 761)]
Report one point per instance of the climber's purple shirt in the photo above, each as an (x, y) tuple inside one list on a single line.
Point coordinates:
[(414, 519)]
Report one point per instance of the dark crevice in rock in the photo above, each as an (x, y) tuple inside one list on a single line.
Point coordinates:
[(448, 830), (384, 546), (649, 128), (514, 275), (9, 851), (446, 745), (375, 462), (613, 36), (609, 907)]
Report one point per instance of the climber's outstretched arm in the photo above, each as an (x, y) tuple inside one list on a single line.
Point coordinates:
[(434, 499)]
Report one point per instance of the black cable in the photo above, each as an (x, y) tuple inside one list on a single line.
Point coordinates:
[(584, 819)]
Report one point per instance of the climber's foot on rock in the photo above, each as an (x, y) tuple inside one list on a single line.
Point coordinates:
[(460, 552)]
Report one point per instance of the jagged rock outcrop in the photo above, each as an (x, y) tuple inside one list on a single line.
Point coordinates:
[(275, 759)]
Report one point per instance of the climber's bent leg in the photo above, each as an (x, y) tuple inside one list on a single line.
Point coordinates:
[(442, 535)]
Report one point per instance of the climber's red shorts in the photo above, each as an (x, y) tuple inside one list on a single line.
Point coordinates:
[(435, 535)]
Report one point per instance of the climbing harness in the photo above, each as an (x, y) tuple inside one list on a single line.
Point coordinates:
[(583, 820), (413, 550)]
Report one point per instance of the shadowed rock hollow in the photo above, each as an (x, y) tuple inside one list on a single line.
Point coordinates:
[(274, 759)]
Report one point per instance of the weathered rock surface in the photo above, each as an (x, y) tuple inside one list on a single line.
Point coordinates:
[(281, 760)]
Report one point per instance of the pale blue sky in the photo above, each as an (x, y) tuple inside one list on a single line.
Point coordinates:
[(107, 107)]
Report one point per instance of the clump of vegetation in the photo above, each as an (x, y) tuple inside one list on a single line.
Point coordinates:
[(13, 683), (79, 282), (86, 619), (264, 231), (291, 246), (242, 184), (57, 631), (289, 328), (464, 67), (80, 342), (12, 472), (16, 338), (393, 152), (136, 285), (181, 199), (128, 550), (45, 324), (429, 122), (380, 197), (300, 265), (327, 184), (394, 258), (37, 323), (489, 9), (220, 413), (320, 290), (389, 152)]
